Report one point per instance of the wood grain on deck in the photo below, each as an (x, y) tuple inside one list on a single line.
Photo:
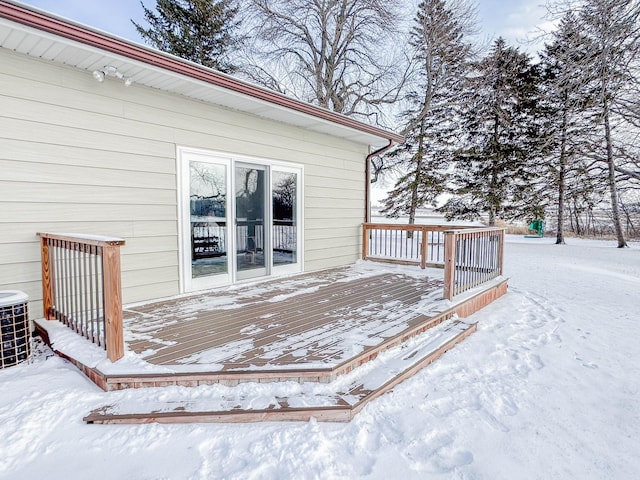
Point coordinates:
[(312, 319)]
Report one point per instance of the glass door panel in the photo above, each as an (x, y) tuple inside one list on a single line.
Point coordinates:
[(251, 213), (284, 188), (208, 219)]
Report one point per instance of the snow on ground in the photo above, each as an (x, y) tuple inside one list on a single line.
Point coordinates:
[(548, 388)]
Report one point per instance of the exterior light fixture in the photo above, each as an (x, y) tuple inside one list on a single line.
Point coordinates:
[(110, 70)]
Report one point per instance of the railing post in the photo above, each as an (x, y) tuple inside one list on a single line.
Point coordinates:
[(449, 264), (47, 274), (423, 249), (112, 302), (501, 253), (365, 241)]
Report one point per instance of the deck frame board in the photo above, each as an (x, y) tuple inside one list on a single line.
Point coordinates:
[(318, 307)]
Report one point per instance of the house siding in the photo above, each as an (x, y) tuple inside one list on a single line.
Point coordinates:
[(100, 158)]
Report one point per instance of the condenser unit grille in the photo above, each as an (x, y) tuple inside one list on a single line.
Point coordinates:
[(15, 346)]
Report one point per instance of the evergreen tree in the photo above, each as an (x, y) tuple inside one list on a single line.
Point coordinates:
[(198, 30), (440, 56), (566, 98), (491, 172)]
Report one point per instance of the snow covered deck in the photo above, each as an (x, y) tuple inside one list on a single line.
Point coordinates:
[(311, 321), (310, 328)]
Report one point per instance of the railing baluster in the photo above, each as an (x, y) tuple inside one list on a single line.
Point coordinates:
[(471, 241), (85, 278), (65, 257), (91, 293), (98, 297), (65, 253), (475, 266), (411, 240), (54, 279), (59, 280), (480, 245), (103, 319), (63, 296), (477, 259), (81, 287), (74, 279), (73, 289), (83, 290)]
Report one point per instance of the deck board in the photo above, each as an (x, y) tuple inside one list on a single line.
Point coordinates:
[(309, 320), (337, 402)]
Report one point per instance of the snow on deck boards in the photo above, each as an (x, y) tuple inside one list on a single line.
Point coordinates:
[(308, 321), (338, 400)]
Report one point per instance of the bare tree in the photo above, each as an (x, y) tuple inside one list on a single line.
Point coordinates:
[(334, 53), (614, 31)]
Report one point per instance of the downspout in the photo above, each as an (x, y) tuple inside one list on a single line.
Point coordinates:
[(367, 175)]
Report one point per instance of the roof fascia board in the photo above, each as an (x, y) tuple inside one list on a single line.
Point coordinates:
[(24, 15)]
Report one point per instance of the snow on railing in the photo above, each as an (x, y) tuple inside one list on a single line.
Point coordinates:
[(473, 256), (469, 255), (81, 287), (421, 245)]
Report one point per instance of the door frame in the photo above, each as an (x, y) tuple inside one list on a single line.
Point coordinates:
[(290, 268), (184, 155)]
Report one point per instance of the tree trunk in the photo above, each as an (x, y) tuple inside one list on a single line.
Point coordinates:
[(493, 183), (561, 180), (493, 208), (416, 183), (492, 216), (576, 216), (615, 211)]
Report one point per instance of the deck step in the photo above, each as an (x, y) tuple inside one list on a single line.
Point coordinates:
[(336, 401)]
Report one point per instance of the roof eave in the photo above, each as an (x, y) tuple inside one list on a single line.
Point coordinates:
[(36, 19)]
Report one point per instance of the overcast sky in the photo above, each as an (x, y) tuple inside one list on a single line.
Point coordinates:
[(512, 19)]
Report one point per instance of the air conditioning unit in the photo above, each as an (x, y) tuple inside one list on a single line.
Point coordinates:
[(15, 346)]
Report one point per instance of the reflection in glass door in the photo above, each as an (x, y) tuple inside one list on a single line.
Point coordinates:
[(251, 215), (208, 219), (284, 196), (239, 219)]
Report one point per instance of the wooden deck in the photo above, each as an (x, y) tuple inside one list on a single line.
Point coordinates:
[(310, 321), (306, 328)]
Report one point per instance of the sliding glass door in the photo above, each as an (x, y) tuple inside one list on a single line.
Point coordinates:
[(240, 219), (208, 223), (285, 228), (251, 216)]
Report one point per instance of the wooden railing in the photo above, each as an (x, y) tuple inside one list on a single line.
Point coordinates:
[(470, 256), (421, 245), (473, 256), (81, 287)]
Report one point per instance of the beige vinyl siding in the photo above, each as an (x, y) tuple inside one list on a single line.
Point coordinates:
[(100, 158)]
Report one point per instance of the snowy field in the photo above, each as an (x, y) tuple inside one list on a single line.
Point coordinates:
[(548, 388)]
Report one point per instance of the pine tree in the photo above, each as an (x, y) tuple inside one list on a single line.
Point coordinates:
[(491, 173), (202, 31), (566, 99), (440, 57)]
